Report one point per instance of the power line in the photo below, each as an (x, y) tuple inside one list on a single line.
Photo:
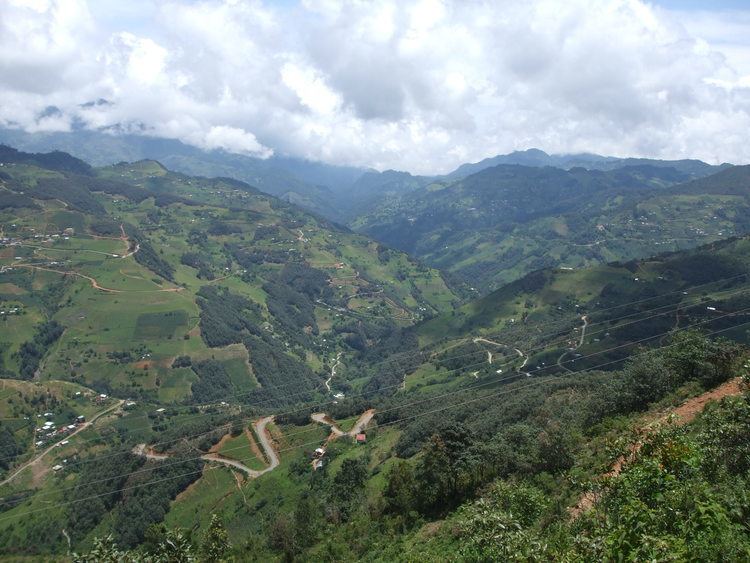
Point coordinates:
[(469, 388), (546, 346), (316, 442)]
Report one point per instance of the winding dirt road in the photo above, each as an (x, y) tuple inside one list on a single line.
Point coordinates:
[(265, 441), (362, 423), (323, 418), (525, 361), (479, 339), (95, 284), (585, 320), (489, 354)]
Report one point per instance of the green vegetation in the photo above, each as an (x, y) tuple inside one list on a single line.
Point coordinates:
[(151, 318), (156, 325), (495, 226)]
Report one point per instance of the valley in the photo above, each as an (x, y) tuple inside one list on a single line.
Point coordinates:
[(176, 347)]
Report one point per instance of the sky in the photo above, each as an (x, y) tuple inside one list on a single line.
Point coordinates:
[(421, 85)]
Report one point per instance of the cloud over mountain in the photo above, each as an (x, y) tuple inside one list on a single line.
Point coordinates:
[(421, 86)]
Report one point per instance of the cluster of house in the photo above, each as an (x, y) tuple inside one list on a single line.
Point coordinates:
[(10, 311), (14, 241), (50, 431)]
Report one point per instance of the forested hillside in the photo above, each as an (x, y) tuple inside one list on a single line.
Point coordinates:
[(496, 225)]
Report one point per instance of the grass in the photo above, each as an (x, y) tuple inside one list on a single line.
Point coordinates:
[(175, 385), (239, 448), (160, 325)]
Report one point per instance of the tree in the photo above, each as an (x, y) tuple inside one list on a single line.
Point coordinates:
[(347, 488), (104, 551), (646, 379), (215, 545), (447, 472), (175, 548), (555, 449), (399, 494), (305, 522), (692, 356)]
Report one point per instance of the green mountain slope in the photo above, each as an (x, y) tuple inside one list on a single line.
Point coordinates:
[(473, 459), (494, 226), (309, 184), (140, 265)]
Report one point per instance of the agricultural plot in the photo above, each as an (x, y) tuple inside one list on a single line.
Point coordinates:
[(160, 325)]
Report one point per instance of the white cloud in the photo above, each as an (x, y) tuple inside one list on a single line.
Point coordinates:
[(233, 139), (421, 85)]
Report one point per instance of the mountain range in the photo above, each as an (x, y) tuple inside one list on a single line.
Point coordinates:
[(190, 362)]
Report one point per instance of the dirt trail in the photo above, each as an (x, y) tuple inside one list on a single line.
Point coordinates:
[(585, 320), (480, 339), (333, 371), (124, 238), (501, 345), (363, 421), (239, 481), (489, 354), (525, 361), (48, 249), (131, 252), (684, 414), (323, 418), (35, 463), (260, 430), (95, 284), (146, 451), (336, 432), (222, 278)]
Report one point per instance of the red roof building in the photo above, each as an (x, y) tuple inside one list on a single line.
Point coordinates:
[(361, 438)]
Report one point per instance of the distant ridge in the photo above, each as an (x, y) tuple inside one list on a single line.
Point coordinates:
[(538, 158)]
